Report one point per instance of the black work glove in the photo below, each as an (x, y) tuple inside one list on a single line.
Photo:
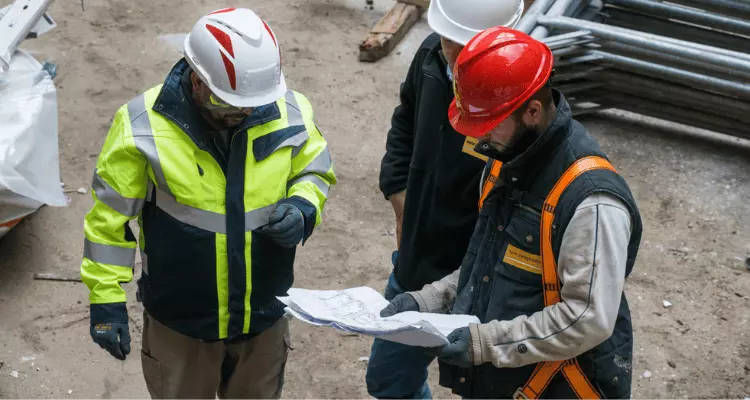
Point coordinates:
[(458, 351), (400, 303), (109, 328), (286, 225)]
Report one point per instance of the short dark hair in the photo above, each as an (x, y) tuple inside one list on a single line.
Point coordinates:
[(543, 95)]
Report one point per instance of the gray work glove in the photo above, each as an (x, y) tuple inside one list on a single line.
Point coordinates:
[(458, 351), (286, 225), (402, 302), (109, 328)]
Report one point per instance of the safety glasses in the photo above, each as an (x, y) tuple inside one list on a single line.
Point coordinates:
[(218, 104)]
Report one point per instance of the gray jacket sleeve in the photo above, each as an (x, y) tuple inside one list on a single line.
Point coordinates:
[(591, 267), (438, 297)]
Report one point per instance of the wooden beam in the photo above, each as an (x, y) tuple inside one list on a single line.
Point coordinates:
[(419, 3), (389, 31)]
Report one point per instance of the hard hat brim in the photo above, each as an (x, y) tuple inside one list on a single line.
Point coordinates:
[(252, 101), (461, 35), (474, 127), (445, 28)]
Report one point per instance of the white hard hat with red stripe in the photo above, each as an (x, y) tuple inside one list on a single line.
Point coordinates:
[(236, 54)]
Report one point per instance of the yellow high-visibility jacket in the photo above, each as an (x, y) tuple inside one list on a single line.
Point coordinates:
[(208, 270)]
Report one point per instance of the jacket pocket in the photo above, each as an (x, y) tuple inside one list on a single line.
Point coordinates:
[(520, 257), (517, 285)]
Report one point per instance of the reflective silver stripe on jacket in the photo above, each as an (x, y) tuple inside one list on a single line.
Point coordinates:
[(108, 195), (320, 165), (144, 139), (209, 220), (206, 220), (294, 115), (105, 254), (318, 181), (294, 118), (258, 218)]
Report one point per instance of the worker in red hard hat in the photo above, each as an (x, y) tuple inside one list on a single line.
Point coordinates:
[(558, 233), (439, 169)]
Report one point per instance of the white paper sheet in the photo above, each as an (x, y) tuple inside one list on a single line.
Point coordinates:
[(358, 310)]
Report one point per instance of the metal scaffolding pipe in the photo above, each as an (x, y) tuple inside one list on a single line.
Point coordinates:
[(665, 111), (631, 37), (685, 14), (661, 42), (528, 20), (737, 8), (673, 94), (564, 75), (676, 30), (697, 66), (570, 50), (557, 9), (708, 83), (589, 57)]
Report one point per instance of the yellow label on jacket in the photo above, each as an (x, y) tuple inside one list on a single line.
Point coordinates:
[(469, 144), (524, 260)]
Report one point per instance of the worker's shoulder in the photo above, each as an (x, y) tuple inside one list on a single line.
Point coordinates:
[(139, 104), (295, 99), (431, 42)]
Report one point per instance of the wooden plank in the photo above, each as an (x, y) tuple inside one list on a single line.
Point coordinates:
[(47, 276), (420, 3), (389, 31)]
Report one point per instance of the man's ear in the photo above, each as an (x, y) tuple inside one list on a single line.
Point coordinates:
[(534, 113)]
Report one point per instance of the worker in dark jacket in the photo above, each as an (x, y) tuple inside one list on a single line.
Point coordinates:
[(430, 174), (557, 235)]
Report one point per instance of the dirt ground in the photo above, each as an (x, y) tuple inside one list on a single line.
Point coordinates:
[(693, 195)]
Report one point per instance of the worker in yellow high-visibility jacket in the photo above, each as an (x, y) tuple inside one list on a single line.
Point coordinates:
[(227, 173)]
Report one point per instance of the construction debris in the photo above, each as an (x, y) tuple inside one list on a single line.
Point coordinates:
[(57, 277), (29, 171), (389, 31), (664, 60)]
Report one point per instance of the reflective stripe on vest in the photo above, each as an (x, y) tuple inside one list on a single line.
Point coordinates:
[(490, 182), (544, 372)]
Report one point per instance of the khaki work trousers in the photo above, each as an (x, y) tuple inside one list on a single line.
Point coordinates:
[(178, 366)]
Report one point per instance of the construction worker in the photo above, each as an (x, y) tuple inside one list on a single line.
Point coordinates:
[(429, 174), (557, 234), (227, 172)]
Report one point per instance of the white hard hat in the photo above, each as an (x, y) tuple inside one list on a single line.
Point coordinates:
[(461, 20), (237, 55)]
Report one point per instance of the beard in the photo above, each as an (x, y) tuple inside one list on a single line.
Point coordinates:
[(523, 137)]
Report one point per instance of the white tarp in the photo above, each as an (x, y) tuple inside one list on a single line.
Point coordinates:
[(29, 167), (357, 310)]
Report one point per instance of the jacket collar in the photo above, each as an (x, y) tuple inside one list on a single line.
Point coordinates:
[(435, 65), (175, 102), (515, 171)]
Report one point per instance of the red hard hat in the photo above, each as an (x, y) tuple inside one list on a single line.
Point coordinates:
[(498, 71)]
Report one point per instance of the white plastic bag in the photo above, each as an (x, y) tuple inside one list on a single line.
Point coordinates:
[(29, 166)]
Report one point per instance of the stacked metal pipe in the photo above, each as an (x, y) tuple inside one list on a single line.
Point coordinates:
[(685, 61)]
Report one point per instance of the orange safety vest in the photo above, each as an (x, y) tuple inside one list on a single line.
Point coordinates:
[(545, 371)]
